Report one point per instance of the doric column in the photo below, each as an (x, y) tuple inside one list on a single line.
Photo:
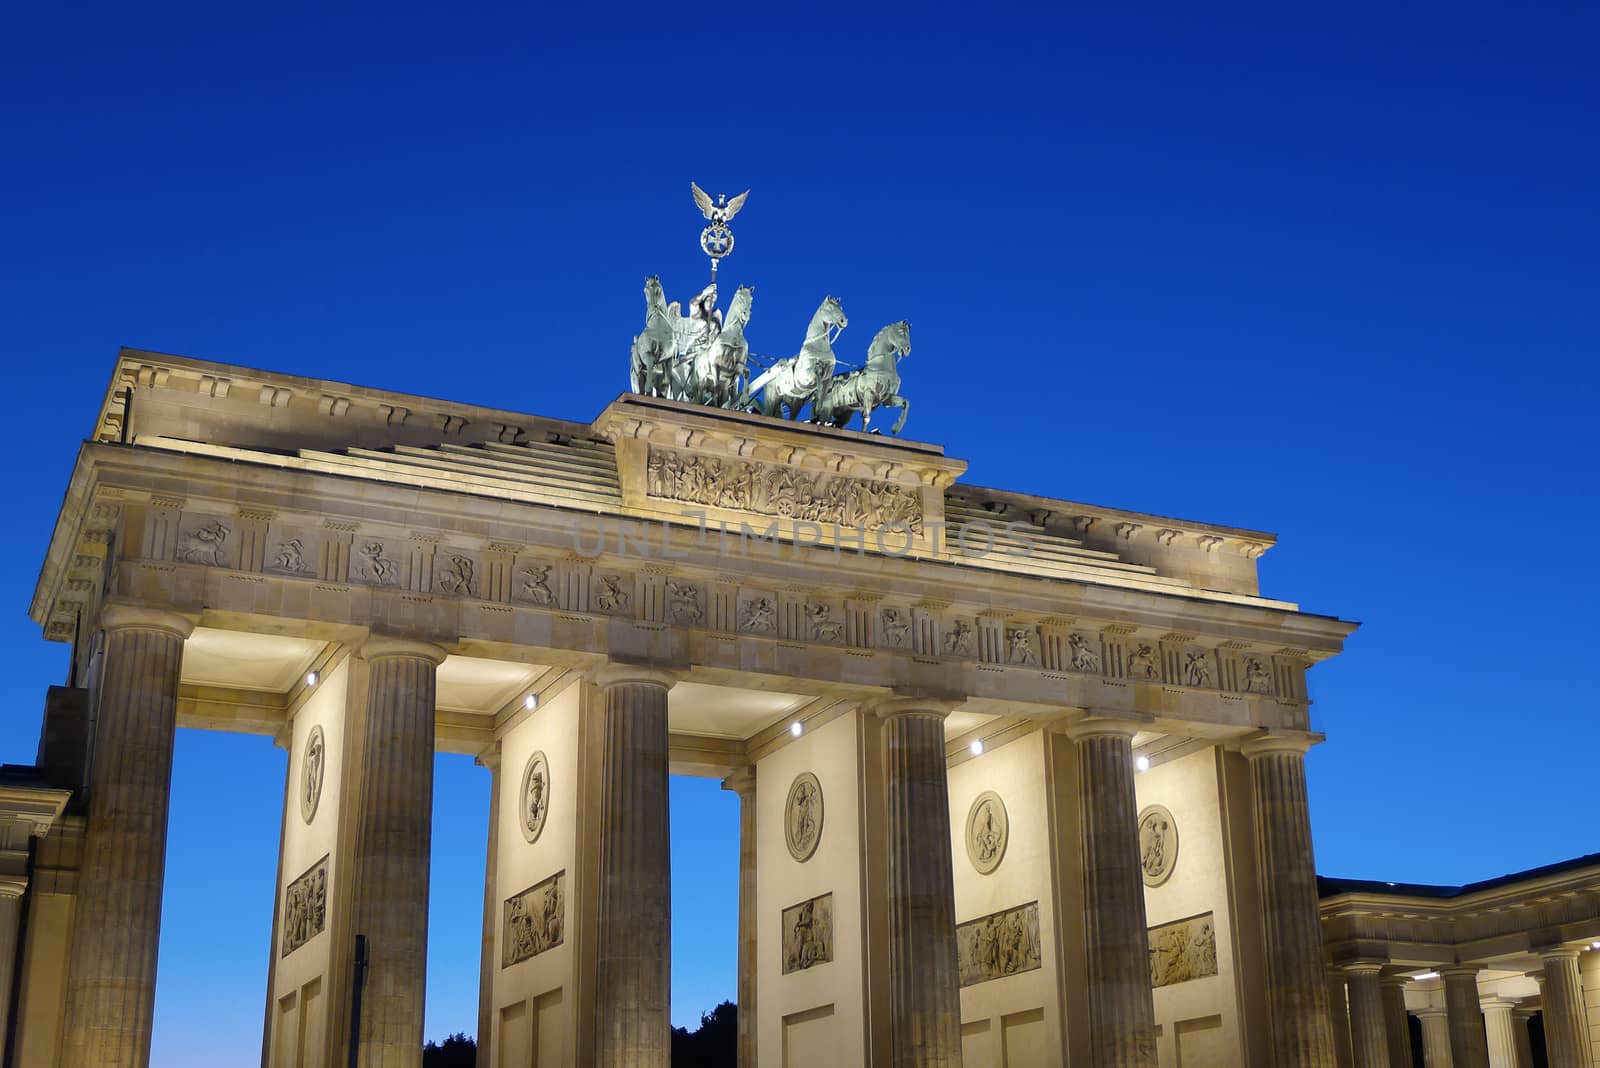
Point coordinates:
[(1339, 1014), (393, 833), (1566, 1028), (1524, 1040), (1297, 996), (634, 953), (111, 984), (1369, 1037), (924, 982), (489, 758), (1396, 1021), (11, 891), (1500, 1031), (1435, 1037), (1469, 1047), (1116, 942), (743, 783)]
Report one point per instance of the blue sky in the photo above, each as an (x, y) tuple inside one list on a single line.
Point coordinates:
[(1329, 275)]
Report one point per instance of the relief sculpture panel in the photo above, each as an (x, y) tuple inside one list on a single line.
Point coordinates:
[(772, 489), (1183, 950), (305, 907), (999, 944), (808, 934), (534, 920)]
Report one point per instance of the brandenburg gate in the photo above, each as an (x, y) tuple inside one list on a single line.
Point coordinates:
[(1021, 780)]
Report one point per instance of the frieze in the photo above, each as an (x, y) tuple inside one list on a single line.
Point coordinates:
[(758, 615), (534, 920), (1183, 950), (808, 934), (610, 595), (305, 907), (772, 489), (206, 544), (1083, 654), (374, 566), (896, 625), (998, 945)]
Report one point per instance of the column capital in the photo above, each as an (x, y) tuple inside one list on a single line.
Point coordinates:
[(1448, 971), (121, 615), (1093, 726), (13, 886), (1368, 966), (895, 707), (1430, 1012), (1526, 1012), (1271, 742), (617, 673), (385, 646), (742, 781), (1391, 978), (490, 757), (1495, 1001), (1558, 952)]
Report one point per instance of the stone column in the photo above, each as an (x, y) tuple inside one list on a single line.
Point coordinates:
[(634, 952), (1396, 1021), (1566, 1027), (1116, 941), (393, 833), (743, 783), (111, 982), (1524, 1040), (1500, 1031), (1435, 1037), (1339, 1014), (1369, 1036), (1469, 1046), (1297, 996), (11, 891), (924, 982), (489, 758)]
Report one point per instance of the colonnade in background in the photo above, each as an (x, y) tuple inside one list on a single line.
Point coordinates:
[(110, 988), (1470, 1030)]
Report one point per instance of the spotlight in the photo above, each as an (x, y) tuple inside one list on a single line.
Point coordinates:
[(531, 701), (1141, 762), (796, 728), (976, 747), (311, 678)]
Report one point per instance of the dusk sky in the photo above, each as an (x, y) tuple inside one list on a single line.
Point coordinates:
[(1330, 276)]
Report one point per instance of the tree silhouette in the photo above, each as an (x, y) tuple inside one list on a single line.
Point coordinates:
[(714, 1044)]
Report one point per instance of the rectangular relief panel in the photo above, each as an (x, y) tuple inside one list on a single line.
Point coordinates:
[(534, 920), (1183, 950), (808, 934), (999, 944), (305, 907)]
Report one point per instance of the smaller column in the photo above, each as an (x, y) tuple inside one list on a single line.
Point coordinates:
[(1498, 1026), (1369, 1038), (1397, 1022), (924, 981), (1116, 940), (1339, 1013), (1469, 1046), (489, 758), (11, 891), (1520, 1017), (743, 783), (1435, 1037), (1566, 1027)]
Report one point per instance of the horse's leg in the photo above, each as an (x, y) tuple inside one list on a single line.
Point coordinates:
[(904, 405)]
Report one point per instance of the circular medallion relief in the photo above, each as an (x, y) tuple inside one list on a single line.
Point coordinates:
[(535, 796), (802, 816), (988, 831), (1158, 844), (311, 769)]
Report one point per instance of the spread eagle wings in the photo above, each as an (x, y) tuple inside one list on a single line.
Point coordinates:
[(708, 207), (734, 205)]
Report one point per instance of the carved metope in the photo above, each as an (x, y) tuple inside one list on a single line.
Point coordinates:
[(784, 492), (802, 816), (1000, 944), (988, 831), (534, 920), (305, 907), (1183, 950), (535, 796), (312, 767), (808, 934), (1158, 844)]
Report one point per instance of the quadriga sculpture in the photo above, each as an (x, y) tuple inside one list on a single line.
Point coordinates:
[(789, 384), (718, 369), (877, 385)]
